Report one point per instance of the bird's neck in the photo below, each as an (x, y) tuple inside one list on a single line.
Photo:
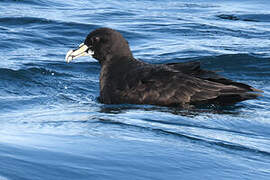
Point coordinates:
[(118, 63)]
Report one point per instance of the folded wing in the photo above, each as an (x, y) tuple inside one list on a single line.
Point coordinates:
[(181, 84)]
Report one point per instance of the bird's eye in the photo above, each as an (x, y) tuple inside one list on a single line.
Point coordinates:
[(97, 39)]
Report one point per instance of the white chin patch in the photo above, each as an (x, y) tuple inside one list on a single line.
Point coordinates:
[(90, 53)]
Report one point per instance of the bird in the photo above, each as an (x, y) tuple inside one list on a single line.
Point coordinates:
[(126, 80)]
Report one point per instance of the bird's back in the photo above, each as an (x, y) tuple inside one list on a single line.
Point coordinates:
[(177, 84)]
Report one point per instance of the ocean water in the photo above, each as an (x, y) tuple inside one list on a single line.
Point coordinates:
[(53, 127)]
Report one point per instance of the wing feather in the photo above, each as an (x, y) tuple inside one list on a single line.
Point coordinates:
[(163, 86)]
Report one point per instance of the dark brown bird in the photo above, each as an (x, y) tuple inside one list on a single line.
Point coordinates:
[(124, 79)]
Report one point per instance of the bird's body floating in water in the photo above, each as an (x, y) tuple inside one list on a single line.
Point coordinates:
[(124, 79)]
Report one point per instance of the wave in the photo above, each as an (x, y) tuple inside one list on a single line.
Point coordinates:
[(33, 2), (246, 17), (237, 62), (43, 32), (9, 21), (214, 143), (26, 74), (239, 67), (23, 20), (244, 63)]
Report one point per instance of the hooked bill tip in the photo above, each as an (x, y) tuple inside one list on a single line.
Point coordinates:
[(69, 58)]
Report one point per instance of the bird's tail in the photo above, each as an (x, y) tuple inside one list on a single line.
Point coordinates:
[(232, 98)]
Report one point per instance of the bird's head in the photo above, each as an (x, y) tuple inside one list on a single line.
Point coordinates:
[(103, 44)]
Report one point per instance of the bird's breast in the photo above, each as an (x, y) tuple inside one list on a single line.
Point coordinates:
[(108, 86)]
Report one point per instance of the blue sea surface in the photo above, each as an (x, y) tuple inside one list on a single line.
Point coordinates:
[(53, 127)]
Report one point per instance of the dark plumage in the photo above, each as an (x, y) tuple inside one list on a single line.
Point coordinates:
[(124, 79)]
